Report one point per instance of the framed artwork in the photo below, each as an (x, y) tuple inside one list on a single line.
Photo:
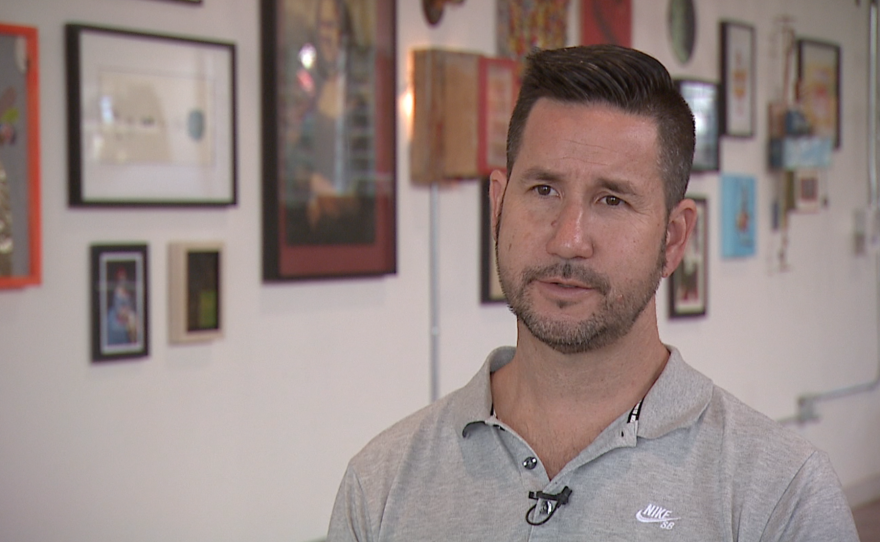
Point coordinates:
[(20, 241), (688, 284), (819, 87), (702, 97), (120, 324), (329, 99), (807, 188), (738, 217), (151, 119), (499, 86), (523, 25), (490, 286), (737, 79), (606, 21), (195, 285)]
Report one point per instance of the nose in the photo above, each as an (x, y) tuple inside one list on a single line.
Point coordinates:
[(571, 237)]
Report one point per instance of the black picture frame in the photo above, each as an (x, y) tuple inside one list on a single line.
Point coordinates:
[(151, 119), (329, 174), (490, 286), (702, 97), (689, 283), (120, 301), (819, 80), (737, 98)]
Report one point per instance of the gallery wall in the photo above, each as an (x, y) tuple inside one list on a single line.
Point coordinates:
[(246, 438)]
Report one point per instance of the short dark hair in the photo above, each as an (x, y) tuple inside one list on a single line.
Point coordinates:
[(624, 78)]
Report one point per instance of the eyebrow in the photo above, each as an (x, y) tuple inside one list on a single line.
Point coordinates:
[(615, 185), (539, 173)]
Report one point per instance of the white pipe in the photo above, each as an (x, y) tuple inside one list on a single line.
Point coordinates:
[(434, 294)]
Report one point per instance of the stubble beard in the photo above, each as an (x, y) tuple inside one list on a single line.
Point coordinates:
[(613, 320)]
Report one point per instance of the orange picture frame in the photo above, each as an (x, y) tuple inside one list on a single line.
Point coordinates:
[(20, 235)]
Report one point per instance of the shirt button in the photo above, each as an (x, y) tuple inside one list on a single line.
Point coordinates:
[(530, 463)]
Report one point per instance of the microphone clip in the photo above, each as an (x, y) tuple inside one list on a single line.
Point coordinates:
[(551, 501)]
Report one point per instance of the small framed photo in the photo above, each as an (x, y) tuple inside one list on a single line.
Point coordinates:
[(120, 324), (195, 291), (490, 285), (807, 189), (499, 86), (151, 119), (819, 86), (688, 285), (702, 97), (738, 215), (737, 79), (20, 245)]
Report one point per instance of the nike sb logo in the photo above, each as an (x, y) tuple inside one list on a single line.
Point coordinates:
[(657, 514)]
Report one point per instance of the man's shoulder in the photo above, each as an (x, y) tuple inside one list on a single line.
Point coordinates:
[(422, 428), (753, 438)]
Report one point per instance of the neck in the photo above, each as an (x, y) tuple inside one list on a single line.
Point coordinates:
[(560, 402)]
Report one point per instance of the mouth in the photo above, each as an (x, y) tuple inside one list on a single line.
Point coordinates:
[(567, 280), (566, 284)]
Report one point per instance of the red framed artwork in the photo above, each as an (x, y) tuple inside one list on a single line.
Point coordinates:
[(328, 138), (606, 21), (499, 86), (20, 246)]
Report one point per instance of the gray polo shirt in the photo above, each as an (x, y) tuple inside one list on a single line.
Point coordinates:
[(693, 464)]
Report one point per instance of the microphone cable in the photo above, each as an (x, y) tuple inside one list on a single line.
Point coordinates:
[(552, 502)]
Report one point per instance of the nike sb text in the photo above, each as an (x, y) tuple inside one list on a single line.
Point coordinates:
[(657, 514)]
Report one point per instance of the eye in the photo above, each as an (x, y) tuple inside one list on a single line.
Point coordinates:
[(544, 190), (613, 201)]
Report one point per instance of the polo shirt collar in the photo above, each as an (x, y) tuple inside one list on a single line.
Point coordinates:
[(677, 399)]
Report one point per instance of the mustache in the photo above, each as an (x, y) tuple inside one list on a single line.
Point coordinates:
[(587, 276)]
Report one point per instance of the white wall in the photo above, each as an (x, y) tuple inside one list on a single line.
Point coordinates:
[(247, 438)]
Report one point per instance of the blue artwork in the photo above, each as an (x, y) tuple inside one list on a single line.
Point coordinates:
[(738, 231)]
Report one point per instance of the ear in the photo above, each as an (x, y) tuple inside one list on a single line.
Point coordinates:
[(678, 231), (497, 186)]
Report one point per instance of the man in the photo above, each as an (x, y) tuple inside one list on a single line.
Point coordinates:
[(591, 428)]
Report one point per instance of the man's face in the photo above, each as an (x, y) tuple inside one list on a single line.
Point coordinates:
[(582, 231), (328, 31)]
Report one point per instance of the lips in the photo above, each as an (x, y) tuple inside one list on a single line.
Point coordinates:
[(567, 277)]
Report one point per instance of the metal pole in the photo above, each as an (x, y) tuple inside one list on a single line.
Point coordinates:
[(435, 289)]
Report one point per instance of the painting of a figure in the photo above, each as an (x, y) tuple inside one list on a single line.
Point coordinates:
[(333, 165), (328, 169)]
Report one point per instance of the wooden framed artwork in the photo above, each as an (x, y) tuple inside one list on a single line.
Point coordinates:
[(195, 285), (819, 87), (606, 21), (119, 291), (329, 102), (490, 285), (499, 86), (737, 79), (20, 241), (702, 97), (688, 284), (151, 119), (522, 25)]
